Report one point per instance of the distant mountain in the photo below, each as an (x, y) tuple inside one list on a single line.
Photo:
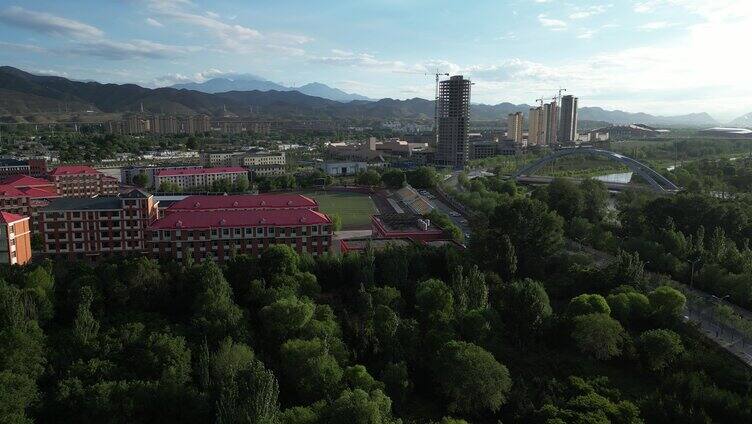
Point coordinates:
[(22, 94), (322, 90), (744, 121), (620, 117), (248, 82), (221, 85)]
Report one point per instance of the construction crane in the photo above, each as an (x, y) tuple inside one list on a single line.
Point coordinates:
[(540, 100), (559, 96)]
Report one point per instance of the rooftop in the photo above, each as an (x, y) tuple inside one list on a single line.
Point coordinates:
[(25, 181), (74, 170), (32, 192), (200, 171), (240, 218), (12, 162), (244, 201), (86, 204), (9, 218)]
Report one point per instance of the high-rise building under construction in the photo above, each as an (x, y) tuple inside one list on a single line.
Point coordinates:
[(514, 127), (568, 122), (453, 121), (535, 126)]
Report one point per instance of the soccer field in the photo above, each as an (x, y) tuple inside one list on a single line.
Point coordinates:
[(355, 209)]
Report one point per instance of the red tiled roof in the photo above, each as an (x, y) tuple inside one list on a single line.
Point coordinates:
[(25, 181), (244, 201), (31, 192), (74, 170), (39, 193), (199, 171), (10, 191), (240, 218), (7, 217)]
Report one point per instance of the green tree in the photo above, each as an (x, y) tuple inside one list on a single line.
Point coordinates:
[(169, 358), (140, 180), (394, 178), (368, 178), (241, 184), (659, 348), (85, 326), (523, 306), (594, 199), (424, 177), (565, 198), (360, 407), (598, 335), (215, 313), (434, 301), (284, 318), (588, 304), (471, 378), (309, 368), (667, 303), (535, 233)]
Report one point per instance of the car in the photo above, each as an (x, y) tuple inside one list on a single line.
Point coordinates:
[(454, 213)]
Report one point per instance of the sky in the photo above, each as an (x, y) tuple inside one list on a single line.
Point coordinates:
[(663, 57)]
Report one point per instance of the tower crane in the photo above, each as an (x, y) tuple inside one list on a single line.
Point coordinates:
[(559, 97)]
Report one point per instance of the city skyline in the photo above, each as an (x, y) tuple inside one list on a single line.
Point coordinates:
[(654, 56)]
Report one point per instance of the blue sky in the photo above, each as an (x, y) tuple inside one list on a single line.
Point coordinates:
[(657, 56)]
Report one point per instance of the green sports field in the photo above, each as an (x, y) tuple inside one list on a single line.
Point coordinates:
[(355, 209)]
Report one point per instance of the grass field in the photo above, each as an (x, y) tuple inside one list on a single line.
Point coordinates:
[(355, 209)]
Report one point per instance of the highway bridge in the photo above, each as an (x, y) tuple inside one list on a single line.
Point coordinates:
[(656, 181)]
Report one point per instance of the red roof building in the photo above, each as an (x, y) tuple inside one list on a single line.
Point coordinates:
[(217, 234), (82, 181), (25, 181), (15, 239), (244, 202), (25, 201), (190, 179)]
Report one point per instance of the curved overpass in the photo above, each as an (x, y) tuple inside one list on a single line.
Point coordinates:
[(657, 181)]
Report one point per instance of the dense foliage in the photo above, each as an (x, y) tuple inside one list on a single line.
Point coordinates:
[(511, 330)]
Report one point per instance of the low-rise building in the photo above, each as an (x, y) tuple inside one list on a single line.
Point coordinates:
[(405, 226), (15, 239), (127, 173), (219, 234), (80, 228), (82, 181), (483, 149), (338, 169), (188, 179), (25, 201)]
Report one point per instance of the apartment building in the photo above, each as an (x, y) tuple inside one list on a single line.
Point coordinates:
[(25, 201), (219, 234), (15, 239), (10, 167), (128, 172), (187, 179), (89, 228), (82, 181)]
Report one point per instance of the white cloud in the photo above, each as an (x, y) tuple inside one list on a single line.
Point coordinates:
[(232, 37), (135, 49), (153, 22), (48, 24), (22, 47), (552, 24), (656, 25), (588, 12)]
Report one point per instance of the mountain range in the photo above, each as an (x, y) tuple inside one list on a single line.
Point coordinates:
[(25, 94), (248, 82)]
